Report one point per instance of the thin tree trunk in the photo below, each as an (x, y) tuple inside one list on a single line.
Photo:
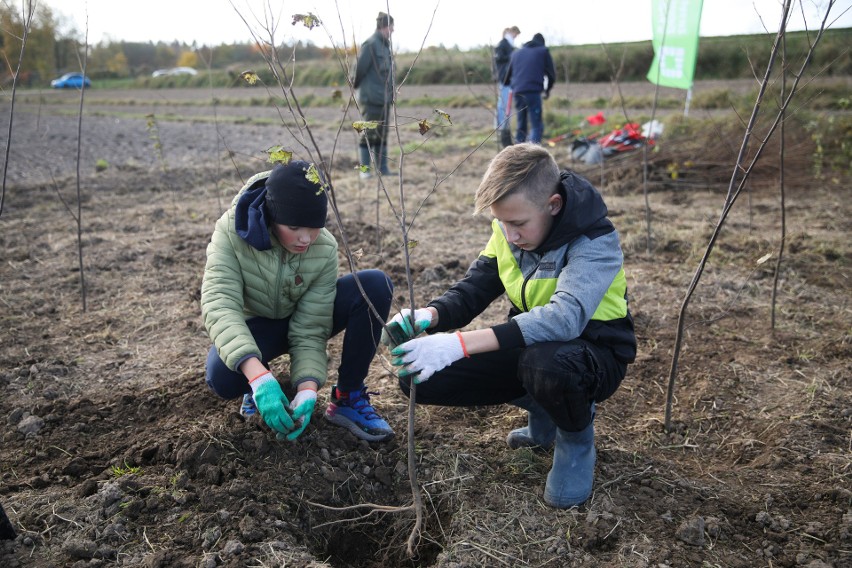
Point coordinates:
[(79, 191), (781, 188), (649, 246)]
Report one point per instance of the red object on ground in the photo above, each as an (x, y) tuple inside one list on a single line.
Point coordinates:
[(596, 119), (626, 138)]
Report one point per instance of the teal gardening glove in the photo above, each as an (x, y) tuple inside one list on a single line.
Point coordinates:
[(401, 329), (425, 356), (302, 408), (271, 403)]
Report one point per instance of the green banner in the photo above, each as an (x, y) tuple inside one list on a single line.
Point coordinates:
[(676, 25)]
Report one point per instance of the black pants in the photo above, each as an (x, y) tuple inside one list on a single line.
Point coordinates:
[(563, 377)]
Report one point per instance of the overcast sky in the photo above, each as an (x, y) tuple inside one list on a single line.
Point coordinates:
[(462, 23)]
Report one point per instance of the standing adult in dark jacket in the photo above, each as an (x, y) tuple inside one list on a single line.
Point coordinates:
[(502, 58), (374, 79), (529, 67)]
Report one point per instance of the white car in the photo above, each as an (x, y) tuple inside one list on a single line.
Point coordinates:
[(174, 71)]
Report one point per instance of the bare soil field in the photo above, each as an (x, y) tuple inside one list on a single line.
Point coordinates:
[(114, 452)]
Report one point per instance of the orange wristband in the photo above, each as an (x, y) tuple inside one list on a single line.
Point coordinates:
[(257, 377), (464, 347)]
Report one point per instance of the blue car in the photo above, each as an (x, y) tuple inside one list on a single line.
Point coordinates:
[(71, 81)]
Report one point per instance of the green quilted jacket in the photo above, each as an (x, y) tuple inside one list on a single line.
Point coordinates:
[(249, 274)]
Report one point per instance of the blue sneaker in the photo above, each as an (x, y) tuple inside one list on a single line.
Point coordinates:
[(248, 407), (354, 412)]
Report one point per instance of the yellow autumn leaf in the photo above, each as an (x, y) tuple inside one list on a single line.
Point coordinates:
[(673, 170), (444, 115), (362, 125), (277, 154), (309, 20), (313, 176), (249, 77), (424, 126)]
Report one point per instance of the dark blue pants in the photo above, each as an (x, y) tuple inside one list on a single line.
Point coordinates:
[(377, 137), (351, 313), (563, 377), (530, 121)]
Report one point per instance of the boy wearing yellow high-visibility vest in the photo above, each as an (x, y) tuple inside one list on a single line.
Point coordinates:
[(569, 337)]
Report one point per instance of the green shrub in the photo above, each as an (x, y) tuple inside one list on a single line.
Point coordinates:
[(832, 136)]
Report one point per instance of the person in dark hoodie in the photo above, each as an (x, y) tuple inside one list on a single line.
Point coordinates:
[(569, 336), (532, 76), (271, 287)]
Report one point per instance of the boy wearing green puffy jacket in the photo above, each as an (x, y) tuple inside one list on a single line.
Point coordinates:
[(271, 287)]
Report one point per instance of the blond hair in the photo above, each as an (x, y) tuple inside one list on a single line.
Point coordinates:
[(523, 168)]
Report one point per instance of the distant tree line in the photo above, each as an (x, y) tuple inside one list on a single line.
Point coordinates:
[(50, 53)]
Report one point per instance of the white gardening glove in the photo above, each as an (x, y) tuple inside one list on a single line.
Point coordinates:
[(400, 329), (425, 356)]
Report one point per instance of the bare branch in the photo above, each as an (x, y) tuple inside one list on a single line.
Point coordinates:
[(735, 189), (28, 19), (79, 218)]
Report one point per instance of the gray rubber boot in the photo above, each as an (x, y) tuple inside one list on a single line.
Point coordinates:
[(570, 480), (540, 430)]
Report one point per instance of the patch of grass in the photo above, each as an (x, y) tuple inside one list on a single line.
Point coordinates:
[(118, 471), (527, 462)]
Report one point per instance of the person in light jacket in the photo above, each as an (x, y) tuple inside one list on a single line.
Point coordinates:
[(502, 58)]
